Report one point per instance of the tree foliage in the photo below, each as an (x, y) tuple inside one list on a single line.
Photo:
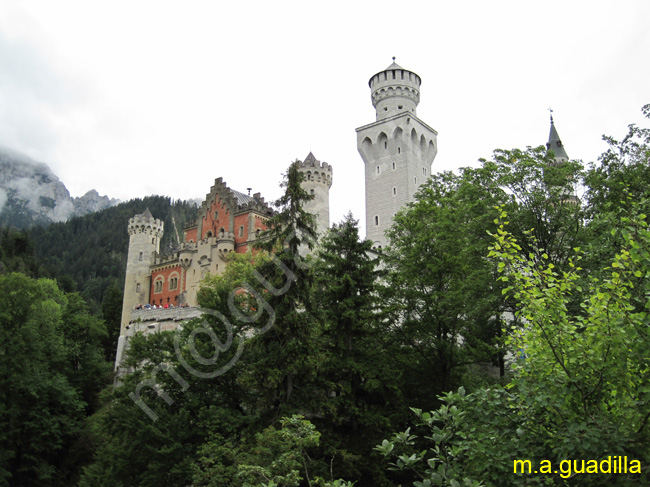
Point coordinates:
[(51, 370)]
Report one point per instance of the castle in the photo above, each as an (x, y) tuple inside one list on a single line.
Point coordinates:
[(397, 149)]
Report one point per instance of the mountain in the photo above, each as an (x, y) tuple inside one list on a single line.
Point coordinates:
[(31, 194)]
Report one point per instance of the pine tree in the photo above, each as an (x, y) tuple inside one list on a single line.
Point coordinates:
[(286, 354)]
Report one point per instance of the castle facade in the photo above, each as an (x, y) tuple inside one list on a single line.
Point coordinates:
[(397, 150)]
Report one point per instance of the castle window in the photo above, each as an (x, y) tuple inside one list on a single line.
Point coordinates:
[(241, 230), (385, 109), (424, 171), (137, 288), (385, 145), (311, 191), (399, 150), (394, 191), (393, 166), (153, 241), (257, 233), (376, 221), (173, 282), (216, 215), (399, 107), (415, 180), (208, 235), (377, 169), (140, 258), (158, 285)]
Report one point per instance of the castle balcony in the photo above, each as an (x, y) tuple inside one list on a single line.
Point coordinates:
[(225, 245), (156, 320), (185, 258)]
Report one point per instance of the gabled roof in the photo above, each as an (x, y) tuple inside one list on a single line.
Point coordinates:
[(236, 200), (242, 199)]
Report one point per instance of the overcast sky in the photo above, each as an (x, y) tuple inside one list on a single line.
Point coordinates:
[(154, 97)]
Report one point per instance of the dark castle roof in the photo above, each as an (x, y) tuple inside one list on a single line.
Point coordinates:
[(555, 144)]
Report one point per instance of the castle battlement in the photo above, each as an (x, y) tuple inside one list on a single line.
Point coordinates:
[(311, 162), (315, 170), (146, 223), (394, 90)]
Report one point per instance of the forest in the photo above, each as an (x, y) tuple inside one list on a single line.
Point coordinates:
[(506, 321)]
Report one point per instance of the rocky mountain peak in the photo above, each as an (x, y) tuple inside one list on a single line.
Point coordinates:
[(31, 194)]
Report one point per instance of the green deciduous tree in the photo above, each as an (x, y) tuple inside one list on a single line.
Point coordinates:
[(51, 370), (581, 383), (440, 290)]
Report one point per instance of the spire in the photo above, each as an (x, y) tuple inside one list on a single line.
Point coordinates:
[(394, 65), (555, 144), (147, 214)]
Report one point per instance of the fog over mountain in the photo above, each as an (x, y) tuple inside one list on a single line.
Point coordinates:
[(31, 194)]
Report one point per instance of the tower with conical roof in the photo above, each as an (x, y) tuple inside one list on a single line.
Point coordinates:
[(397, 149), (317, 182), (554, 144)]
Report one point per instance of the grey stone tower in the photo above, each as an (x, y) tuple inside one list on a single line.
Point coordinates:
[(318, 181), (397, 149), (145, 233)]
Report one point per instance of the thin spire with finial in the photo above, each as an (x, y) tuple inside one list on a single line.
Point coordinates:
[(555, 144)]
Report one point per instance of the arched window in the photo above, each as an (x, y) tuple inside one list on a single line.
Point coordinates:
[(173, 281), (158, 284), (376, 220)]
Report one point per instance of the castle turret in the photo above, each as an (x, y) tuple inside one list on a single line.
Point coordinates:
[(145, 233), (397, 149), (317, 182)]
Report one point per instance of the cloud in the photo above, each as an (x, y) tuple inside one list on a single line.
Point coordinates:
[(35, 97)]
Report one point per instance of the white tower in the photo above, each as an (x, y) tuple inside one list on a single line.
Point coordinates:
[(397, 149), (145, 233), (317, 181)]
